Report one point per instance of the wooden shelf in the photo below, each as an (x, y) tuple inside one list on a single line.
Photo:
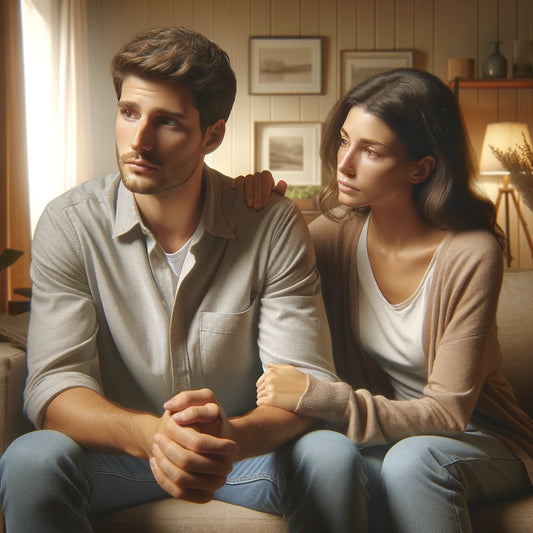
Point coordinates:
[(487, 83)]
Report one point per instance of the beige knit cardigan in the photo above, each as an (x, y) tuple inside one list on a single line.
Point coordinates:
[(464, 383)]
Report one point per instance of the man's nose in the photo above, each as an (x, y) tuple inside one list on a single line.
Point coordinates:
[(143, 138)]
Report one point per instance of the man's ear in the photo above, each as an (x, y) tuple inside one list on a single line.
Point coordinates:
[(423, 169), (214, 136)]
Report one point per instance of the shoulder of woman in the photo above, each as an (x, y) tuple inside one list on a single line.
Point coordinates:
[(473, 244), (471, 254)]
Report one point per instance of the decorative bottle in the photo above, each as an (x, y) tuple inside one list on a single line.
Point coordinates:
[(495, 66)]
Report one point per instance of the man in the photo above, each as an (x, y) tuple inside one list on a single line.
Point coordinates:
[(157, 298)]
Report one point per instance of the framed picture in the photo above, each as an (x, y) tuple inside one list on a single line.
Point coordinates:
[(291, 65), (290, 150), (359, 66)]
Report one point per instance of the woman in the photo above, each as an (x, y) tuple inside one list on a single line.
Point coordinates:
[(411, 263)]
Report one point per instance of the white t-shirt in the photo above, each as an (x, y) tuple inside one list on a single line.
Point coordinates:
[(392, 333)]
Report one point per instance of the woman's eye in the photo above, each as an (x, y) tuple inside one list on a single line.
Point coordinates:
[(370, 153), (344, 141)]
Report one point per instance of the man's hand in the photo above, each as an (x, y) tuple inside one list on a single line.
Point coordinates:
[(192, 454)]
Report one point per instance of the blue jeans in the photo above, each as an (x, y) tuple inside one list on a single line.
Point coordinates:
[(48, 483), (425, 483)]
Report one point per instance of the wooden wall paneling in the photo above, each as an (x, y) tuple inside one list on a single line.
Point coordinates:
[(523, 19), (261, 17), (445, 40), (222, 34), (260, 26), (507, 31), (346, 38), (405, 25), (202, 17), (467, 30), (310, 26), (100, 86), (328, 28), (488, 29), (182, 13), (424, 26), (161, 13), (285, 23), (112, 38), (286, 18), (135, 15), (366, 23), (385, 34), (242, 134)]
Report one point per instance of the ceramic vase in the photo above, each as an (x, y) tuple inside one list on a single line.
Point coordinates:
[(495, 66)]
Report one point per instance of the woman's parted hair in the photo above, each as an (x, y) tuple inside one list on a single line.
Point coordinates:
[(425, 116), (177, 54)]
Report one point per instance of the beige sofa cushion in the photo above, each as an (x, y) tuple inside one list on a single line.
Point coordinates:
[(515, 333), (169, 516)]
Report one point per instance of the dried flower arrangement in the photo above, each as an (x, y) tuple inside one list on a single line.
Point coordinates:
[(519, 162)]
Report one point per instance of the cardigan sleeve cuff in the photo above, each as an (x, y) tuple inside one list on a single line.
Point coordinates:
[(326, 400)]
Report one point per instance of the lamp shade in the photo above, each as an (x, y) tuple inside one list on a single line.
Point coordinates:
[(501, 135)]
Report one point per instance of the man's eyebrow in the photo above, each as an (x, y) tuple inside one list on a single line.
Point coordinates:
[(157, 110)]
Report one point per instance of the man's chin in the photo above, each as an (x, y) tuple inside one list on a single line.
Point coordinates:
[(136, 184)]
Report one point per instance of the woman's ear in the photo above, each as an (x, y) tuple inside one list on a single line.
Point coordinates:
[(423, 169), (214, 136)]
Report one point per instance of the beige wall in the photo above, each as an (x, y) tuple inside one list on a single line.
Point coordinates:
[(434, 29)]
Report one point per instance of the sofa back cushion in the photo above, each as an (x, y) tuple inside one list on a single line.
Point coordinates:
[(515, 333)]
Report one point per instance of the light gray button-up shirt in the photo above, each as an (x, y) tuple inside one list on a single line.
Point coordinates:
[(105, 315)]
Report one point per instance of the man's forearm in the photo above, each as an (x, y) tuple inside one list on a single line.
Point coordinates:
[(98, 424), (266, 428)]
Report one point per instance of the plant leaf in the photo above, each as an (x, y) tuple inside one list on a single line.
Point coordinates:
[(8, 257)]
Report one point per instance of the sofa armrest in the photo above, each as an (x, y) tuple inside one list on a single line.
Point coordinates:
[(13, 371)]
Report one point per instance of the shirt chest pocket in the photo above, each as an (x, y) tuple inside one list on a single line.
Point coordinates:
[(228, 344)]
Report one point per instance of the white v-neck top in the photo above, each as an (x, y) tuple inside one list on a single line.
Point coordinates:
[(392, 333)]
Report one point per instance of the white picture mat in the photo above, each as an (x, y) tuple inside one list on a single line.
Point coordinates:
[(290, 151)]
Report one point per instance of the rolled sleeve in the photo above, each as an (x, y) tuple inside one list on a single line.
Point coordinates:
[(62, 331), (293, 326)]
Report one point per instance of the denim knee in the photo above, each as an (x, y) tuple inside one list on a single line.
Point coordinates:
[(331, 455), (37, 467)]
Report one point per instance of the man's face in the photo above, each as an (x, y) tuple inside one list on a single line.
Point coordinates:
[(159, 142)]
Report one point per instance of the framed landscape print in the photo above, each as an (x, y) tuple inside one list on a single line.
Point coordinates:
[(291, 65), (357, 66), (290, 150)]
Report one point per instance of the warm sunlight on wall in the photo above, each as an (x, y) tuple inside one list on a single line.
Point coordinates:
[(41, 123)]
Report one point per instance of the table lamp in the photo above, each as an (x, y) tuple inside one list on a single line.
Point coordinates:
[(504, 135)]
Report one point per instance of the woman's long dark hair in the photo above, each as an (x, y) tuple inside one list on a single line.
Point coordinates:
[(425, 116)]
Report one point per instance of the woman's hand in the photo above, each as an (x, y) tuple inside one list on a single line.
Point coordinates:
[(258, 188), (281, 386)]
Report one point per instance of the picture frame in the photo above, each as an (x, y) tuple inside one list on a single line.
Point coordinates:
[(290, 150), (357, 66), (285, 65)]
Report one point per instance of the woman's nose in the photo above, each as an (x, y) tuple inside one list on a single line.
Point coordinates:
[(346, 164)]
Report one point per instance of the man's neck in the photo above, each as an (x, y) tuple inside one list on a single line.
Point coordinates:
[(172, 216)]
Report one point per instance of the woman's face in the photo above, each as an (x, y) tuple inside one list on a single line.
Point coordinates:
[(372, 166)]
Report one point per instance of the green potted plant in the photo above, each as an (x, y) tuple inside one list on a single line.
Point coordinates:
[(304, 196), (7, 258)]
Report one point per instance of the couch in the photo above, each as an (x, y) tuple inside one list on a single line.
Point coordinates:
[(515, 515)]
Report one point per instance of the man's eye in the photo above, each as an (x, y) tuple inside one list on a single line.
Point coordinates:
[(167, 121), (127, 113)]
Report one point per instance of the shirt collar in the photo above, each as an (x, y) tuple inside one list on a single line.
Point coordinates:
[(213, 215)]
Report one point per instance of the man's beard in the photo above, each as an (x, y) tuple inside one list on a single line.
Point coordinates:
[(140, 185)]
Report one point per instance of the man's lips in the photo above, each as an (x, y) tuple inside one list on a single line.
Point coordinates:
[(140, 164)]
